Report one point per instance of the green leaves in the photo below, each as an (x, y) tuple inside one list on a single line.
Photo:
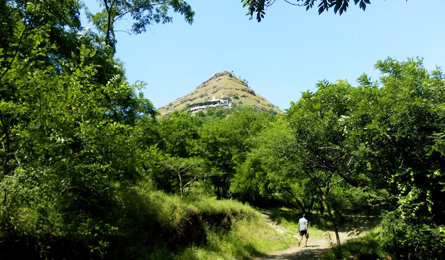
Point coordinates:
[(271, 168), (143, 12), (69, 139), (340, 6), (224, 144), (388, 137)]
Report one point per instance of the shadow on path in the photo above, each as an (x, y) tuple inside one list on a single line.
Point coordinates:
[(306, 253)]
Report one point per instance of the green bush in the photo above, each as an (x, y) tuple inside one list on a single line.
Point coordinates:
[(272, 111)]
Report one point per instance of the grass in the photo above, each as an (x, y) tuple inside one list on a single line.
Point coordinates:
[(367, 247), (220, 84), (249, 233), (154, 225), (232, 230), (148, 224), (247, 238)]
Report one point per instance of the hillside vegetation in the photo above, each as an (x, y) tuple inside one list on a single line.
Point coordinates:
[(222, 84)]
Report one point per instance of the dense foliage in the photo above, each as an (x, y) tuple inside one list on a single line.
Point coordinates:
[(81, 151), (85, 165), (375, 148)]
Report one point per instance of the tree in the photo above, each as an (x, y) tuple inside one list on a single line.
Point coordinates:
[(143, 12), (271, 170), (20, 20), (69, 141), (176, 137), (316, 123), (188, 170), (63, 152), (383, 137), (396, 132), (258, 6), (179, 134), (324, 152), (224, 145)]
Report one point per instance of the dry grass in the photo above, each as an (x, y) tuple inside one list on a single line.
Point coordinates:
[(221, 84)]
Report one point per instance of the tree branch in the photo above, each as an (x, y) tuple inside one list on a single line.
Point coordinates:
[(194, 179), (293, 3), (17, 49), (349, 179), (300, 203)]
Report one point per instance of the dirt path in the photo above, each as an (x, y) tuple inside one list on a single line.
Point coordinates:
[(316, 247)]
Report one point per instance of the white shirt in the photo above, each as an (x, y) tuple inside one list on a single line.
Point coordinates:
[(303, 224)]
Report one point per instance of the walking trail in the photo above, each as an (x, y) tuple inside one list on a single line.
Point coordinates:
[(316, 247)]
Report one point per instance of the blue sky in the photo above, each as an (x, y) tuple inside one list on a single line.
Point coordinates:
[(284, 55)]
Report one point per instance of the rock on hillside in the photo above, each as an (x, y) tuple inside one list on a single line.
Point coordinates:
[(221, 84)]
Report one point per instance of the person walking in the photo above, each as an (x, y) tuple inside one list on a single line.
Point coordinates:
[(303, 227)]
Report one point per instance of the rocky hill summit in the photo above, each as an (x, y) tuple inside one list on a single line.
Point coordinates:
[(222, 84)]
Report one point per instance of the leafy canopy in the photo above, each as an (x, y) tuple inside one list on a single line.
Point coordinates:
[(143, 13), (258, 7)]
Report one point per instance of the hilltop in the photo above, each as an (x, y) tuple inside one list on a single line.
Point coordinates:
[(222, 84)]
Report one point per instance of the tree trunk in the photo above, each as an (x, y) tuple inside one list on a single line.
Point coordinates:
[(321, 209), (334, 222), (394, 244), (299, 202), (109, 9), (311, 205), (180, 184)]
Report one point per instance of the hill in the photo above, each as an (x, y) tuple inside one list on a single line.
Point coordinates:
[(222, 84)]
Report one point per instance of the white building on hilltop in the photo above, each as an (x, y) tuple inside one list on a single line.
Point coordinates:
[(224, 102)]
